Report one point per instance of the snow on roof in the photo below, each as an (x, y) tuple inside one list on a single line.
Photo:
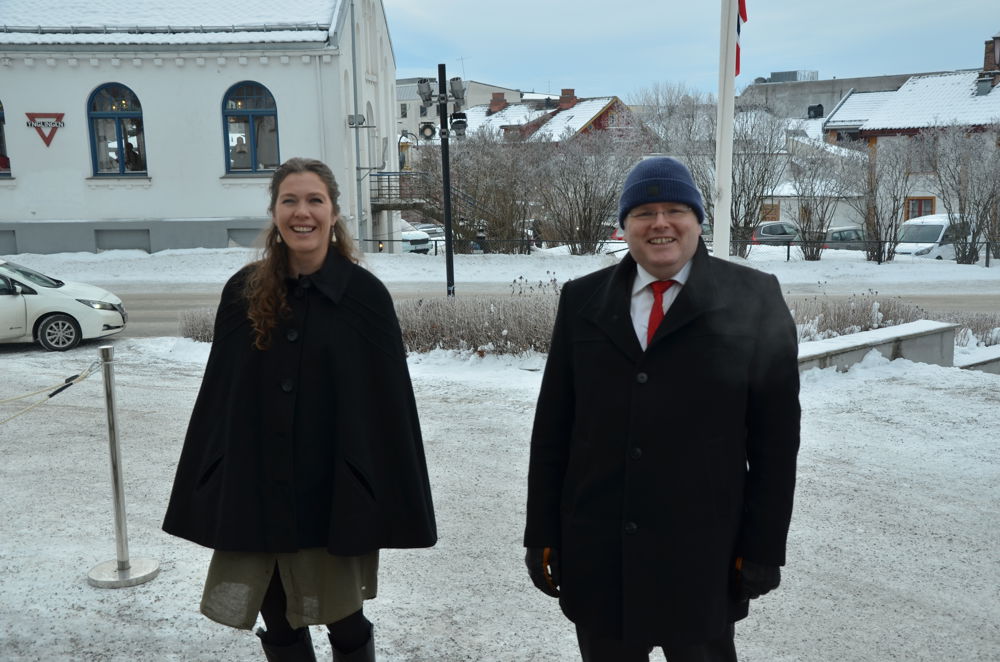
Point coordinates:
[(856, 108), (813, 129), (936, 100), (573, 120), (138, 22), (515, 114)]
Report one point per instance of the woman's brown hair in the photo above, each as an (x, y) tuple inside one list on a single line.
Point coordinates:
[(265, 285)]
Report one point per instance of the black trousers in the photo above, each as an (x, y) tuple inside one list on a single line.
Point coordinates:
[(596, 649)]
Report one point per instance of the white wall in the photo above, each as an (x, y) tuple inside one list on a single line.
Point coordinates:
[(181, 96)]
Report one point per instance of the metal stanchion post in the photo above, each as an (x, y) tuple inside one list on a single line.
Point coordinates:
[(120, 572)]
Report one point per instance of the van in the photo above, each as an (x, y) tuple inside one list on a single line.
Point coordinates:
[(931, 236)]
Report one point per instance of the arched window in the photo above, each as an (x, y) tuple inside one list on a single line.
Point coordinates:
[(4, 157), (250, 121), (117, 142)]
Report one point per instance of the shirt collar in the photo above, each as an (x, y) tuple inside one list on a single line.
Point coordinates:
[(644, 278)]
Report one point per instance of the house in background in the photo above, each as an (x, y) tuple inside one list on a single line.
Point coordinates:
[(969, 98), (122, 128), (550, 118)]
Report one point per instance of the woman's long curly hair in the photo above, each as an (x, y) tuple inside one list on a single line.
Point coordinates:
[(265, 285)]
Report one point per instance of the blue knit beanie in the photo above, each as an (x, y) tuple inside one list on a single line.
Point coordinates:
[(659, 179)]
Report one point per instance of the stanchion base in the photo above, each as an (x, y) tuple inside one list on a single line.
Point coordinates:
[(107, 574)]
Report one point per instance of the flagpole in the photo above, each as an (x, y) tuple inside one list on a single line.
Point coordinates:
[(724, 130)]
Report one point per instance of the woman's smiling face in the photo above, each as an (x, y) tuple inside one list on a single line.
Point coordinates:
[(304, 215)]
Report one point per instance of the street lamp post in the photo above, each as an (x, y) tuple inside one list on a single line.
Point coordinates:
[(459, 124)]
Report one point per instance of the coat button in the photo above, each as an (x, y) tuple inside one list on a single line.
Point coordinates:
[(292, 335), (287, 385), (631, 528), (642, 378), (635, 453)]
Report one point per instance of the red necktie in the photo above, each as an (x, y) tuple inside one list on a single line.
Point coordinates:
[(656, 312)]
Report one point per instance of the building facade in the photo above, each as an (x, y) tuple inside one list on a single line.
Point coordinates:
[(138, 133)]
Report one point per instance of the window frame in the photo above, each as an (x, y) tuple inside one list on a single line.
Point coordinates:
[(250, 116), (3, 145), (923, 199), (120, 134)]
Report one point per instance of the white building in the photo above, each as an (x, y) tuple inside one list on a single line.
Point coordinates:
[(148, 124)]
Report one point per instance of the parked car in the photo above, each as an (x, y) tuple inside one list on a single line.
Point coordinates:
[(774, 232), (931, 236), (433, 230), (414, 240), (845, 238), (57, 314)]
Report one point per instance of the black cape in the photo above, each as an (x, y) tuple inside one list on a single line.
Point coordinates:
[(313, 442)]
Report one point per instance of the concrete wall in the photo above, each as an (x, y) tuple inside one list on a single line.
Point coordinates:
[(794, 98), (922, 341)]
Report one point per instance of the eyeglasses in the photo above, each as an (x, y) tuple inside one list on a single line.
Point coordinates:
[(669, 214)]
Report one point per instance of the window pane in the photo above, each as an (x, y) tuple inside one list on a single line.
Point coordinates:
[(249, 96), (4, 158), (239, 143), (266, 134), (106, 143), (115, 99), (135, 145)]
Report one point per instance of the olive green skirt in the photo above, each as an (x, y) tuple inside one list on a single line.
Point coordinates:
[(321, 588)]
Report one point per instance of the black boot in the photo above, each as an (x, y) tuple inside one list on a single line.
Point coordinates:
[(364, 654), (300, 650)]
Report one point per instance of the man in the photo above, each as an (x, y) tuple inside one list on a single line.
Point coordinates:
[(663, 454)]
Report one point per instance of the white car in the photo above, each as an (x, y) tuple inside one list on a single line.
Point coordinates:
[(414, 240), (932, 236), (57, 314)]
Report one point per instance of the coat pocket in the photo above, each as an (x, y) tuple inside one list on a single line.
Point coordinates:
[(361, 477), (211, 469)]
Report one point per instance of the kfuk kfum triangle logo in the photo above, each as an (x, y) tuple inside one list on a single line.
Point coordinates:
[(51, 121)]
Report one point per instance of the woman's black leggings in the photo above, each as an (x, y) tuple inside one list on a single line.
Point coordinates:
[(347, 635)]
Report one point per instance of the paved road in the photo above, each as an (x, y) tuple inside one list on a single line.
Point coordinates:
[(158, 313)]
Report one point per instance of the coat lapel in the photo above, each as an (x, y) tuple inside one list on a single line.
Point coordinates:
[(696, 297), (608, 309)]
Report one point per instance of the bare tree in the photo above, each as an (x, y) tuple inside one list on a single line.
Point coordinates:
[(814, 174), (578, 188), (879, 184), (683, 121), (965, 162), (759, 159), (492, 181)]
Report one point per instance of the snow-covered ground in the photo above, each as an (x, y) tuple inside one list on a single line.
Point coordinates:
[(892, 553)]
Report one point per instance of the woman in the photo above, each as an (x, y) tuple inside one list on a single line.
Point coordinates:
[(303, 456)]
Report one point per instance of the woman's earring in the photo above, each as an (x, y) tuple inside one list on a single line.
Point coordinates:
[(277, 237)]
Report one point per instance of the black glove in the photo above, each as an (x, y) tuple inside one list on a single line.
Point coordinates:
[(543, 568), (753, 580)]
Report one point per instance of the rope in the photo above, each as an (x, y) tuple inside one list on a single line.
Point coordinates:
[(58, 388)]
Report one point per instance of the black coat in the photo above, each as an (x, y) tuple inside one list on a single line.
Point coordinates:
[(638, 469), (314, 442)]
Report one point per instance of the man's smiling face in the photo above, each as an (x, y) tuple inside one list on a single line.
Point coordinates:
[(662, 236)]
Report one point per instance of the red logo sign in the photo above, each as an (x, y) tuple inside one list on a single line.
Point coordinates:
[(51, 121)]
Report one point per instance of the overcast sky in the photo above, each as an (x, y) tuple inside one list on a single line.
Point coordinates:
[(619, 47)]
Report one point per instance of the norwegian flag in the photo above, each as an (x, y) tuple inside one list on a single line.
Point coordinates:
[(741, 18)]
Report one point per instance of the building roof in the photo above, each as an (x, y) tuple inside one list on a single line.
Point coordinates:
[(855, 109), (159, 22), (559, 124), (936, 100)]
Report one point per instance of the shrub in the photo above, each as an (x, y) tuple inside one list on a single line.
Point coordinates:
[(495, 325), (523, 322), (198, 324)]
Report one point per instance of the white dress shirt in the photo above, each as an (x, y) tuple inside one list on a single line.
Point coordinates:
[(642, 298)]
